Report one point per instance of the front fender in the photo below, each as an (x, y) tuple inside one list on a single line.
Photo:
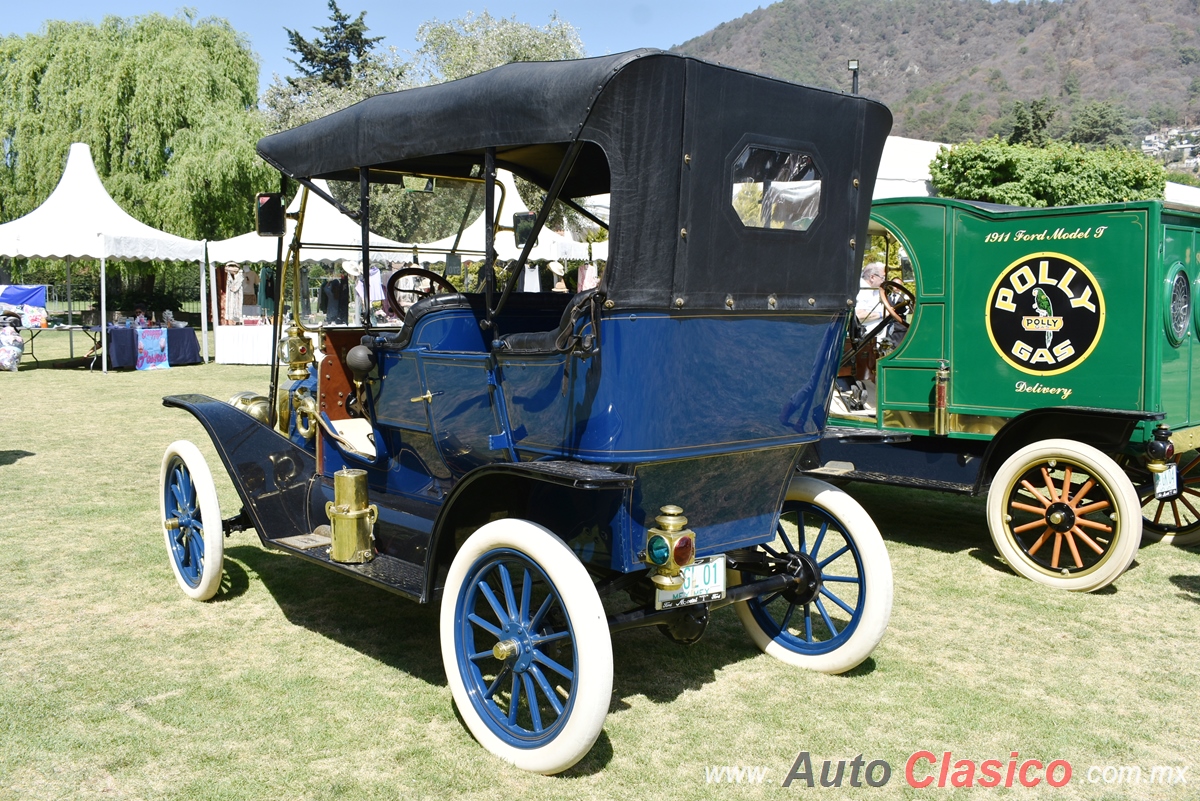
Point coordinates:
[(272, 476)]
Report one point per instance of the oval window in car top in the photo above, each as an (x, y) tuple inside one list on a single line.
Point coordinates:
[(776, 188)]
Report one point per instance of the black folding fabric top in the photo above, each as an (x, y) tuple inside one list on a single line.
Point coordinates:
[(662, 133), (515, 108)]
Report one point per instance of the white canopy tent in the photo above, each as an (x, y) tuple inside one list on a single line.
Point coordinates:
[(328, 236), (80, 220), (1183, 194), (904, 168)]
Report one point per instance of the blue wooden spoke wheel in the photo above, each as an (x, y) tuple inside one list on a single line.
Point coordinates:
[(835, 617), (191, 519), (526, 647)]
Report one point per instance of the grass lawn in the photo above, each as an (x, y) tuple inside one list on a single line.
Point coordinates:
[(295, 683)]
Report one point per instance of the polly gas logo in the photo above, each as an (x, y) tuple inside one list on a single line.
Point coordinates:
[(1045, 313)]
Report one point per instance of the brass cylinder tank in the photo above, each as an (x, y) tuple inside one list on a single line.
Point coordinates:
[(941, 407), (351, 518)]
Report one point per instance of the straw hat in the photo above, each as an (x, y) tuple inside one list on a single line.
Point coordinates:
[(352, 268), (556, 268)]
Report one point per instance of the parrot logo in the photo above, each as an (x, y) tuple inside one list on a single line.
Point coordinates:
[(1043, 307)]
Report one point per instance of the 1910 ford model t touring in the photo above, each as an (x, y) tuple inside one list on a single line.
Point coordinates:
[(522, 456)]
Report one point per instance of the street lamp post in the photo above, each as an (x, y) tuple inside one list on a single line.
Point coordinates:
[(852, 65)]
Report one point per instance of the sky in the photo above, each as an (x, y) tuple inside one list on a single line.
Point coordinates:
[(605, 26)]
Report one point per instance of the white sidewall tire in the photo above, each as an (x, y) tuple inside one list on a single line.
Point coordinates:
[(592, 642), (1183, 536), (210, 514), (877, 578), (1181, 540), (1127, 536)]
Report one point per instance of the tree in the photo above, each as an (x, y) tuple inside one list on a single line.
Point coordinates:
[(166, 104), (1099, 124), (332, 57), (1030, 122), (462, 47), (1185, 178), (448, 50), (1059, 174), (289, 102)]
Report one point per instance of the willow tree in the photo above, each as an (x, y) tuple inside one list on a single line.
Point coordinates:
[(167, 105)]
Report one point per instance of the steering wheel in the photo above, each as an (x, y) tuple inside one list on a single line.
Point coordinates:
[(861, 338), (906, 304), (399, 297)]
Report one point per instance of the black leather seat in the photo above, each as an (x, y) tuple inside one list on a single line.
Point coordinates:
[(548, 341), (456, 300)]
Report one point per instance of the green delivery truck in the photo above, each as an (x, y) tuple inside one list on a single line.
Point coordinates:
[(1047, 358)]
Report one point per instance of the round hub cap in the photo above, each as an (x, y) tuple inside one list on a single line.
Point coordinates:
[(1060, 517), (804, 569)]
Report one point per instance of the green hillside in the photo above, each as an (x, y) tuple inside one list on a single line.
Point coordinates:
[(952, 69)]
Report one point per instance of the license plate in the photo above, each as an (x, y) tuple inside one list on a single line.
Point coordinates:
[(703, 581), (1165, 483)]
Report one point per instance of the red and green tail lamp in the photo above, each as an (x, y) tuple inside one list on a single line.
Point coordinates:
[(670, 547)]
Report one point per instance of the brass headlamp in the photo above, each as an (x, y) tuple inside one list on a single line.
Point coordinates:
[(296, 350)]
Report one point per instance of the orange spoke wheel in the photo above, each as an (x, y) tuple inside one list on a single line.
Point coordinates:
[(1062, 513), (1174, 519)]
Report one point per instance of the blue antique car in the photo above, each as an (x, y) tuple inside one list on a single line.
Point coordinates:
[(555, 467)]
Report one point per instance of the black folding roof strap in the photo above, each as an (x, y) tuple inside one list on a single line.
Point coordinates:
[(560, 178), (489, 232), (271, 411), (337, 204), (466, 215), (581, 210), (521, 172), (364, 211)]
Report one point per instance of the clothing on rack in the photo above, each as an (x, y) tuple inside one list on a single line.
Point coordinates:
[(266, 291), (235, 279), (333, 300), (531, 281)]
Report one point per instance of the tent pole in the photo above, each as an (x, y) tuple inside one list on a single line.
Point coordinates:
[(364, 212), (70, 319), (216, 306), (203, 304), (103, 312)]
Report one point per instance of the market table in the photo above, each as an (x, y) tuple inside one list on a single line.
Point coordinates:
[(244, 344), (182, 347), (30, 334)]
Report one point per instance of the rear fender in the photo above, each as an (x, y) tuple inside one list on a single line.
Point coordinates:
[(577, 501), (1107, 430), (272, 476)]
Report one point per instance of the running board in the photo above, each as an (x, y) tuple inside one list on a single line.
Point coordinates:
[(864, 436), (398, 576), (839, 470)]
